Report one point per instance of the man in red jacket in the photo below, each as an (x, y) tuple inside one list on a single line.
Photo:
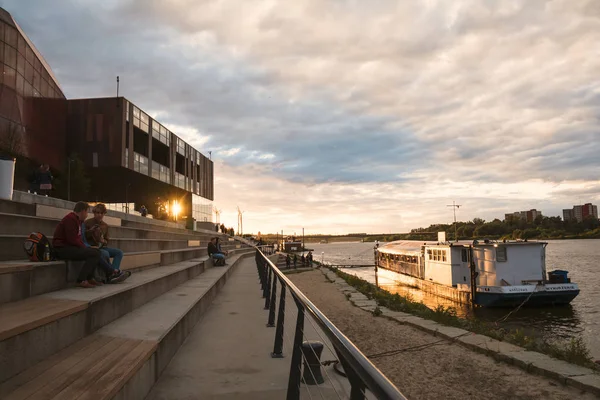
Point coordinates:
[(69, 246)]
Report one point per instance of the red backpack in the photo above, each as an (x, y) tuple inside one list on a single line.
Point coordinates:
[(38, 247)]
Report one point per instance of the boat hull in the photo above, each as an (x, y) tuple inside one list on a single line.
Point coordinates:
[(537, 299)]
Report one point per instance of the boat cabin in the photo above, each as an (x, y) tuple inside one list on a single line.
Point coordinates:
[(495, 263)]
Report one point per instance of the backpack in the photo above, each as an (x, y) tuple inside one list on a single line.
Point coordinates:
[(35, 245)]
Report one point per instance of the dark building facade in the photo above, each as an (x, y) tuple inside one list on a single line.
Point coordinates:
[(128, 156), (32, 104)]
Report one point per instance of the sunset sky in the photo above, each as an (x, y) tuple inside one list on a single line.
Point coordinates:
[(352, 116)]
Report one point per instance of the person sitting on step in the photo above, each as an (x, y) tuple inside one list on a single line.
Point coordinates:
[(68, 245), (219, 247), (217, 256), (96, 235)]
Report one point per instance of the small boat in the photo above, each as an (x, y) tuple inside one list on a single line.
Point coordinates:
[(483, 273)]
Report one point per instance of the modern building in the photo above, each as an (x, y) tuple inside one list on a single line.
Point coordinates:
[(528, 216), (32, 104), (579, 213), (128, 156)]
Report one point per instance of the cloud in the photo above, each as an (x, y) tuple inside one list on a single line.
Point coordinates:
[(395, 107)]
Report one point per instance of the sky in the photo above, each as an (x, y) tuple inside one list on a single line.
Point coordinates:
[(349, 116)]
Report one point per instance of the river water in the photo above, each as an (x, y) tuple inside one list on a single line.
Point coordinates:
[(581, 318)]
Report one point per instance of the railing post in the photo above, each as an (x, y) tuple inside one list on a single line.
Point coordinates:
[(357, 391), (293, 391), (271, 321), (278, 347), (268, 293)]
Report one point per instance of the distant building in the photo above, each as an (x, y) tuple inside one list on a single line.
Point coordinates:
[(528, 216), (579, 213)]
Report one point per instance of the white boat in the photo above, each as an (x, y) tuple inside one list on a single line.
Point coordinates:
[(485, 273)]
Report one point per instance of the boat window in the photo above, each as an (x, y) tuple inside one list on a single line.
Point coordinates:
[(429, 255), (444, 255), (501, 254), (464, 255)]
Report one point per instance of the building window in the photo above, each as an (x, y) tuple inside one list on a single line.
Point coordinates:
[(501, 254), (144, 121), (126, 111), (140, 163), (464, 255), (181, 147), (179, 180)]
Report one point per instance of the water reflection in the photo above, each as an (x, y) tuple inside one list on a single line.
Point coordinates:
[(545, 322)]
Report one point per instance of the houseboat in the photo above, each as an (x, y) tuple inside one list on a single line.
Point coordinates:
[(483, 273)]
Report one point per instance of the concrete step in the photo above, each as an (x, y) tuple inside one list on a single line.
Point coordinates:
[(124, 358), (13, 207), (15, 224), (11, 246), (21, 279), (34, 328), (32, 205)]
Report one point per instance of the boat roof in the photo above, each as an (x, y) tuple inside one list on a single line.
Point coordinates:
[(414, 246)]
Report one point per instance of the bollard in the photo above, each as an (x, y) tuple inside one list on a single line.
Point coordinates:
[(312, 364)]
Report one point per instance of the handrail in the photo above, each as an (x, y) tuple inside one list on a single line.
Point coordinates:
[(370, 375)]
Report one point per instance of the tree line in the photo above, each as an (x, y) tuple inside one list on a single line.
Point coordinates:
[(511, 228)]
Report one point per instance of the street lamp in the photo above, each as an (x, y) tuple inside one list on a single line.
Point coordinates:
[(127, 198)]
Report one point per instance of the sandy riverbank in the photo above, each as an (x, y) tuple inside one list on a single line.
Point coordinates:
[(446, 371)]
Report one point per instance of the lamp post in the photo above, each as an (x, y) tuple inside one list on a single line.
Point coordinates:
[(454, 207), (127, 198)]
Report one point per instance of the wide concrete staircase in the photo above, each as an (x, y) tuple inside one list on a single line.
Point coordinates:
[(58, 341)]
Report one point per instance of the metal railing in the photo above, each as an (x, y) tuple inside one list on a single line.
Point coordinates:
[(361, 373)]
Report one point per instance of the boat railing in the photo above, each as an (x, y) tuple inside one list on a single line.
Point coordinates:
[(363, 377)]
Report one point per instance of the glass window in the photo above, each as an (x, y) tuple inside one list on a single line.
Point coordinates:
[(22, 46), (10, 77), (45, 89), (28, 90), (10, 56), (20, 84), (29, 73), (36, 80), (501, 254), (21, 64), (10, 36), (37, 65), (126, 110), (30, 56), (464, 256)]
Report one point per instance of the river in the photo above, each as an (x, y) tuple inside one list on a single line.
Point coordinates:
[(580, 257)]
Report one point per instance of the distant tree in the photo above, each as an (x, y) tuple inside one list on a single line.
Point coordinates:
[(530, 233), (478, 221)]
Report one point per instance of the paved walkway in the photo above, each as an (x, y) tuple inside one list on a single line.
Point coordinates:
[(227, 356)]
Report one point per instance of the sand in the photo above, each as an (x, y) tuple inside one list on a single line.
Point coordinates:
[(446, 371)]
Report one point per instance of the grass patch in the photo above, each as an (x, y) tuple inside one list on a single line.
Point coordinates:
[(573, 350)]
